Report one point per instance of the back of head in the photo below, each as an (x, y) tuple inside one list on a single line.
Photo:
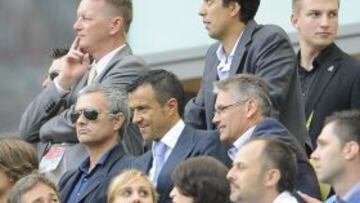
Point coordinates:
[(347, 125), (278, 155), (203, 179), (17, 158), (165, 84), (246, 86), (124, 179), (248, 9), (27, 183), (124, 9)]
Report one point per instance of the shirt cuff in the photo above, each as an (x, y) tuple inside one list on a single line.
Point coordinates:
[(60, 89)]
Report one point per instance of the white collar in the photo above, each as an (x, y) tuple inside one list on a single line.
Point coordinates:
[(171, 137), (244, 137), (103, 62), (285, 197), (221, 55)]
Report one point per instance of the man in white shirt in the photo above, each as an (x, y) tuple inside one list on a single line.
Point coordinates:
[(157, 101), (264, 171), (242, 111), (101, 28)]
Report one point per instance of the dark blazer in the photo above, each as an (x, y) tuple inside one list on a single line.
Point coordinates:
[(42, 121), (336, 88), (306, 180), (96, 190), (266, 52), (190, 143)]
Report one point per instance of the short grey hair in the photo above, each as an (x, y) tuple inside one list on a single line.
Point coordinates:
[(116, 100), (246, 86)]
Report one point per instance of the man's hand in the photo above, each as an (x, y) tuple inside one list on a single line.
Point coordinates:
[(75, 64)]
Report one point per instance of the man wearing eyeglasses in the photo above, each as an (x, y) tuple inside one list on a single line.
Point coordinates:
[(242, 112), (100, 117)]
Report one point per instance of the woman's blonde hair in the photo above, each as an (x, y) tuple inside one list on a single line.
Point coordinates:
[(128, 177)]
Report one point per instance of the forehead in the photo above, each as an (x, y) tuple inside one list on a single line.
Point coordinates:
[(250, 152), (144, 92), (318, 4), (225, 96), (91, 100), (328, 134), (90, 6)]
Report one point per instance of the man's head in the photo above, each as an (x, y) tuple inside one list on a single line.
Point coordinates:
[(242, 101), (55, 67), (316, 21), (219, 16), (156, 99), (102, 25), (262, 166), (100, 115), (338, 147)]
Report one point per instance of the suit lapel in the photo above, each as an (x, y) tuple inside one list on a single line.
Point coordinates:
[(181, 151), (241, 46), (125, 51), (327, 72)]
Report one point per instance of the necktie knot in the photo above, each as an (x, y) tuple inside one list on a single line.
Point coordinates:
[(92, 75)]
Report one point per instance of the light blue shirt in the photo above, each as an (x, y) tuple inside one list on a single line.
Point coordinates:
[(352, 196)]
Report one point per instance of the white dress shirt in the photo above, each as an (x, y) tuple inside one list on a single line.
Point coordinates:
[(285, 197)]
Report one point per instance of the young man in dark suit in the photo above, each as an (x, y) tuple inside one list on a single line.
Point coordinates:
[(157, 102), (246, 47), (330, 78)]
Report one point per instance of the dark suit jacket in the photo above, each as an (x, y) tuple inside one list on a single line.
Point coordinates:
[(306, 180), (96, 190), (190, 143), (266, 52), (42, 121), (336, 88)]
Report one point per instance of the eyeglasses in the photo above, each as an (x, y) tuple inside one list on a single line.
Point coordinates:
[(222, 109), (90, 114)]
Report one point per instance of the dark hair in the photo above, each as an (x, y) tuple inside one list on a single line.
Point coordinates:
[(279, 155), (27, 183), (202, 178), (248, 8), (347, 125), (165, 85), (17, 158), (57, 53)]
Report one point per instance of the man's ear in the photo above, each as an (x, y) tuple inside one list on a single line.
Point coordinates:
[(272, 177), (235, 8), (172, 106), (351, 150), (117, 25), (294, 20), (118, 121), (251, 106)]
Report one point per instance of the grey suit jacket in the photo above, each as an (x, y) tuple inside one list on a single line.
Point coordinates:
[(266, 52), (190, 143), (42, 120)]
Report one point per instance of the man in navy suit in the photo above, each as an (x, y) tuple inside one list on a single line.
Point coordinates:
[(157, 101), (242, 111), (330, 78), (100, 117)]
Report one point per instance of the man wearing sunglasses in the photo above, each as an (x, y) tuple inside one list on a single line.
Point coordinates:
[(101, 28), (242, 112), (157, 102), (100, 117)]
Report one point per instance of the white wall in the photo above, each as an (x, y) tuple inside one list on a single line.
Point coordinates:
[(170, 25)]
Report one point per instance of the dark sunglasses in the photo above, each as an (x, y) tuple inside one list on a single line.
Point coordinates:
[(90, 114)]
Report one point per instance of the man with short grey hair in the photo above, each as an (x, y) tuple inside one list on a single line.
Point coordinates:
[(100, 116), (242, 111)]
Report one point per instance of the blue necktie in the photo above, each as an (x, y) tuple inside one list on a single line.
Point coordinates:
[(159, 159)]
